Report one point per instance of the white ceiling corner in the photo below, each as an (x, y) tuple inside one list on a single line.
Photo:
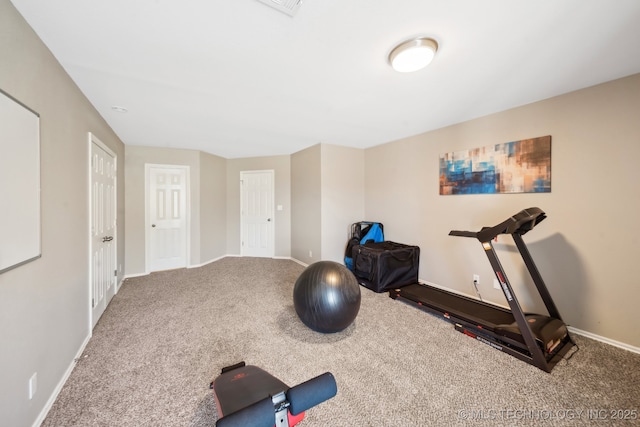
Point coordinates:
[(234, 79)]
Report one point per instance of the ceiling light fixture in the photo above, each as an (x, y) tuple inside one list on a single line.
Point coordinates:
[(413, 55)]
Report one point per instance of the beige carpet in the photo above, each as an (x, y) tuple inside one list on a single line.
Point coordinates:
[(165, 336)]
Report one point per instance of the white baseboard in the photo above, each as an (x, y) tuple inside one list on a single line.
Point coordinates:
[(571, 329), (130, 276), (299, 262), (119, 285), (58, 389), (605, 340), (208, 262)]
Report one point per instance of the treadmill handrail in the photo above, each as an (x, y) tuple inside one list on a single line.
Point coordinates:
[(463, 233), (520, 223)]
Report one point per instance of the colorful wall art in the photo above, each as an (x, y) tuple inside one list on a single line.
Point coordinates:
[(514, 167)]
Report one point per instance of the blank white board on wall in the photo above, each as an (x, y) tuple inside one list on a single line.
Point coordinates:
[(19, 183)]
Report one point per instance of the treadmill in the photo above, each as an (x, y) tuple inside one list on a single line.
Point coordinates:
[(534, 338)]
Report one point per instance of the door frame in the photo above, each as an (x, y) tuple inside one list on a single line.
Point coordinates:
[(92, 139), (272, 231), (147, 218)]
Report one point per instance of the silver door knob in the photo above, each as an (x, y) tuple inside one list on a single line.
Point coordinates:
[(153, 225)]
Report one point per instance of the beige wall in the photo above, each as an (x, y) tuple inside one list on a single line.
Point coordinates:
[(587, 246), (213, 207), (342, 197), (207, 175), (44, 305), (281, 166), (306, 205), (327, 191)]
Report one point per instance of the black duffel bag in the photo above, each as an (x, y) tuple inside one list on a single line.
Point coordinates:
[(386, 265)]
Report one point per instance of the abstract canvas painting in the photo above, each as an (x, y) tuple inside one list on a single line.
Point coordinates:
[(513, 167)]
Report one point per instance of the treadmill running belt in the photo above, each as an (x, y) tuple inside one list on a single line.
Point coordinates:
[(474, 311)]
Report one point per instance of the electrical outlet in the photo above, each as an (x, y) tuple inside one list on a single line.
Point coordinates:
[(496, 284), (310, 254), (476, 279), (33, 385)]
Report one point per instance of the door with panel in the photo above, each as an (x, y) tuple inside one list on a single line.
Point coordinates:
[(103, 228), (256, 211), (167, 217)]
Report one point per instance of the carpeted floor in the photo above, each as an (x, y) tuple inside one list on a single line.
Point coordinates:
[(165, 336)]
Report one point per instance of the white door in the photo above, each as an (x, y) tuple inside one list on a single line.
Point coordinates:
[(103, 228), (167, 217), (256, 210)]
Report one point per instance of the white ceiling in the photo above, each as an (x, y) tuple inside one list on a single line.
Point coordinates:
[(237, 78)]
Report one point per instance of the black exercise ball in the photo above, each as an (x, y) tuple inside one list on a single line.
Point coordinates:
[(327, 297)]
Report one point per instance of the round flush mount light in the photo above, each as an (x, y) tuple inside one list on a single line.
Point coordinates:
[(413, 55)]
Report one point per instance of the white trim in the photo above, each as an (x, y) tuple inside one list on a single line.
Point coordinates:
[(130, 276), (92, 139), (207, 262), (89, 242), (571, 329), (299, 262), (120, 283), (56, 391), (605, 340)]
